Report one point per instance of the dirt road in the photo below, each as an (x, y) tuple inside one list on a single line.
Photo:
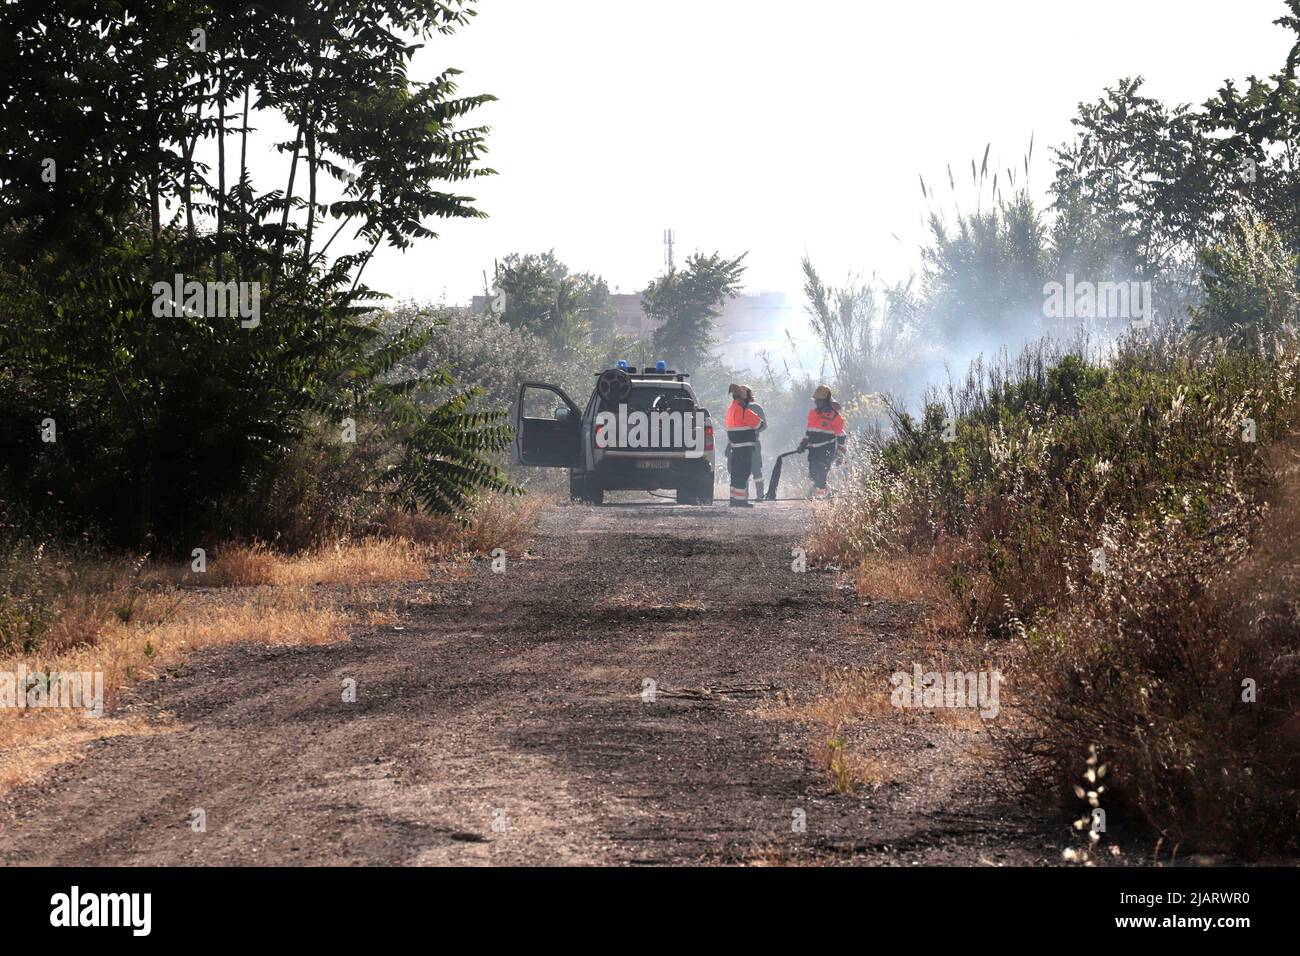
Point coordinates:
[(509, 721)]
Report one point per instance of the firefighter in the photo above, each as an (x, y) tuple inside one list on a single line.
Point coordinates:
[(756, 465), (824, 439), (742, 434)]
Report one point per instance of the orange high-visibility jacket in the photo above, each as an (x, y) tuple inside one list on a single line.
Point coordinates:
[(825, 427), (742, 425)]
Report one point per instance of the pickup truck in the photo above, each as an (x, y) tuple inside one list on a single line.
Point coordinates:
[(640, 430)]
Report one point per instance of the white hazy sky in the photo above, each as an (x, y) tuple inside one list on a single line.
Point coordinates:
[(780, 127)]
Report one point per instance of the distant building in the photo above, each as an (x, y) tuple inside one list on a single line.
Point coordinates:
[(629, 319), (749, 324)]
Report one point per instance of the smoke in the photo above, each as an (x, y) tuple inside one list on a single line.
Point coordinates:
[(993, 286)]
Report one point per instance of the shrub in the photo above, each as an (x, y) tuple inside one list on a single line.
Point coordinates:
[(1111, 518), (1253, 289)]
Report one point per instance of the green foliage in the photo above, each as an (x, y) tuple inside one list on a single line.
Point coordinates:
[(1036, 457), (541, 296), (687, 303), (171, 426), (1114, 518), (1141, 183), (446, 456), (1253, 290), (1149, 185), (985, 274), (1057, 442)]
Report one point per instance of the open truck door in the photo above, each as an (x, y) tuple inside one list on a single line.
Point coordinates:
[(548, 427)]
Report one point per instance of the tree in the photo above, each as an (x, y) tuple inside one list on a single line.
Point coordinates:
[(984, 275), (1144, 188), (1142, 181), (169, 417), (1257, 133), (541, 296), (685, 305)]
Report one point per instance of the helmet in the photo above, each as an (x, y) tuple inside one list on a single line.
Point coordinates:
[(821, 394)]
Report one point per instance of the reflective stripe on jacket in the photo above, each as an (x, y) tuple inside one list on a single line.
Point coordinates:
[(742, 425), (825, 427)]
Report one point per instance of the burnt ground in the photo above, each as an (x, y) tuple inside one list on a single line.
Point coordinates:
[(504, 723)]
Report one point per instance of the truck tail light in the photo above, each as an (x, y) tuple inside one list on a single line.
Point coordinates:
[(708, 438)]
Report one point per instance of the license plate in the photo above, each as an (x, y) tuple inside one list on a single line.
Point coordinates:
[(652, 464)]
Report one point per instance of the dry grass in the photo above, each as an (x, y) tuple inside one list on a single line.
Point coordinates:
[(131, 621), (164, 629), (167, 630), (855, 705), (1150, 672), (382, 617), (372, 560), (95, 596), (44, 739), (848, 695), (917, 579), (496, 521), (854, 695), (847, 769), (409, 546)]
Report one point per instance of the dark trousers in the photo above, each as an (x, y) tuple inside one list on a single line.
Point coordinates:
[(819, 463), (739, 465)]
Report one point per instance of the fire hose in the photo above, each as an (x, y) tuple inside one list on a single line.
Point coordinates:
[(775, 480), (776, 473)]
